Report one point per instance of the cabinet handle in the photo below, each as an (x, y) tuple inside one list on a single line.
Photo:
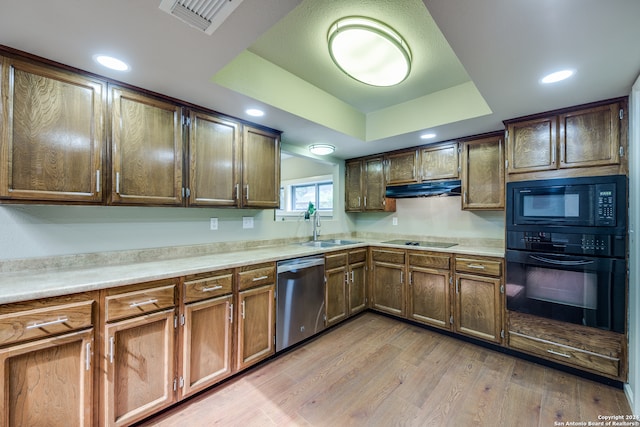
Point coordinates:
[(111, 348), (230, 312), (52, 322), (117, 182), (476, 266), (365, 201), (87, 357), (213, 288), (457, 286), (98, 181), (147, 302), (358, 201), (243, 309), (247, 192), (553, 155), (557, 353), (465, 197), (411, 278), (237, 191), (351, 276), (255, 279), (346, 277), (401, 276)]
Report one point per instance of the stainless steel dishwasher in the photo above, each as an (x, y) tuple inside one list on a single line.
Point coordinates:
[(300, 300)]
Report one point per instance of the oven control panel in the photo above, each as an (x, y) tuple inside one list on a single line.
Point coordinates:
[(606, 204), (569, 243)]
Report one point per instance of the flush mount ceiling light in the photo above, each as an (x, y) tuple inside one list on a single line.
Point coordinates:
[(254, 112), (321, 149), (369, 51), (557, 76), (427, 135), (111, 62)]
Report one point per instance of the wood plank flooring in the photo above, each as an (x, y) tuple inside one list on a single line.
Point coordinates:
[(377, 371)]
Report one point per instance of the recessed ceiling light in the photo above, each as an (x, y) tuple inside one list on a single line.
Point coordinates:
[(111, 62), (557, 76), (321, 149), (254, 112), (369, 51), (427, 135)]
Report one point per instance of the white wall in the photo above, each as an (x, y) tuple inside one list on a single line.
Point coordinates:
[(633, 387)]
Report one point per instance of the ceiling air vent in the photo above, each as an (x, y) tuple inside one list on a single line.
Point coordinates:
[(205, 15)]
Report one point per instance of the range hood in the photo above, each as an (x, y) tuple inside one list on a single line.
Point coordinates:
[(424, 189)]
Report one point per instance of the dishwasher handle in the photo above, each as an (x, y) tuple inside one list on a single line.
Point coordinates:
[(299, 264)]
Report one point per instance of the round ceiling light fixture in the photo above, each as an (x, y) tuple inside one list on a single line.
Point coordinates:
[(557, 76), (369, 51), (254, 112), (321, 149), (111, 62)]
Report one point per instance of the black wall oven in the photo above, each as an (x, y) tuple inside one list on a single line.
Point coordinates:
[(566, 250)]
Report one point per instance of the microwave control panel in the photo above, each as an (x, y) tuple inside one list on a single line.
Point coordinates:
[(606, 204)]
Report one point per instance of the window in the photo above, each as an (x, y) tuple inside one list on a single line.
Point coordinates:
[(318, 193)]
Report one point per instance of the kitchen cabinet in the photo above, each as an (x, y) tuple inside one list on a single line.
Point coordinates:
[(582, 140), (482, 173), (357, 280), (365, 186), (479, 298), (214, 160), (590, 349), (146, 149), (255, 314), (206, 334), (429, 295), (388, 291), (140, 353), (47, 361), (260, 187), (439, 161), (402, 167), (337, 279), (52, 142)]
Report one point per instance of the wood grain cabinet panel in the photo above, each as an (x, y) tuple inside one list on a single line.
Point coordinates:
[(256, 325), (532, 145), (478, 308), (207, 285), (353, 186), (483, 173), (365, 186), (439, 162), (146, 149), (388, 291), (402, 168), (429, 296), (357, 280), (52, 140), (336, 291), (260, 168)]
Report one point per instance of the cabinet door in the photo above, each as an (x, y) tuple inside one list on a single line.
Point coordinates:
[(48, 382), (374, 183), (353, 186), (388, 288), (260, 169), (206, 344), (402, 168), (590, 137), (357, 287), (146, 149), (139, 367), (532, 145), (214, 157), (256, 325), (336, 297), (478, 308), (429, 296), (483, 174), (439, 162), (52, 137)]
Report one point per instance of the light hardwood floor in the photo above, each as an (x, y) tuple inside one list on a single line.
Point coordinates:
[(377, 371)]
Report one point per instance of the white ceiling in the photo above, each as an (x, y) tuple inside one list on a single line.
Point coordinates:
[(499, 47)]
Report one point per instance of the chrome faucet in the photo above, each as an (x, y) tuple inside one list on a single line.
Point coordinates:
[(316, 225)]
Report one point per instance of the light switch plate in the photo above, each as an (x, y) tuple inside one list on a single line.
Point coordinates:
[(394, 220), (213, 224), (247, 222)]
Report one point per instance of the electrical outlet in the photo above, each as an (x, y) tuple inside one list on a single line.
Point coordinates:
[(394, 220), (213, 224), (247, 222)]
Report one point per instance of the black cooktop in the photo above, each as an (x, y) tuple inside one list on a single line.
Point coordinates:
[(421, 243)]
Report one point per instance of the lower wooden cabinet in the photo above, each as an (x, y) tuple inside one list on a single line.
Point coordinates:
[(357, 280), (337, 279), (256, 325), (429, 290), (388, 281)]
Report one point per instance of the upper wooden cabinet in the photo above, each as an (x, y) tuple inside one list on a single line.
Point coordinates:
[(52, 135), (581, 141), (402, 168), (365, 186), (439, 162), (482, 173), (146, 149), (260, 187)]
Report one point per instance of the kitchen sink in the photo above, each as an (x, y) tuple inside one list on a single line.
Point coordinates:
[(328, 243), (341, 241)]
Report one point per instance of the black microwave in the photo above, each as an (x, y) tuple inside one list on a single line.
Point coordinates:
[(589, 202)]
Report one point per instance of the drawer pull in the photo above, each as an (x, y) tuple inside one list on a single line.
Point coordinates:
[(140, 304), (557, 353), (477, 266), (87, 357), (255, 279), (52, 322), (111, 349), (213, 288)]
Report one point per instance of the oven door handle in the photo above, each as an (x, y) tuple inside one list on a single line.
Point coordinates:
[(560, 262)]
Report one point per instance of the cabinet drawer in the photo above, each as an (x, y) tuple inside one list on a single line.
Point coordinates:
[(335, 260), (479, 266), (139, 302), (42, 322), (438, 261), (256, 275), (207, 285), (389, 256), (357, 256), (565, 354)]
